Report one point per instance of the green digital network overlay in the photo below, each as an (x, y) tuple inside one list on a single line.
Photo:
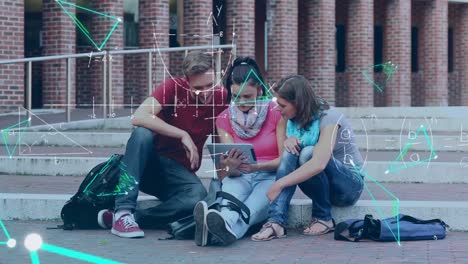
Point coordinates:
[(265, 98), (82, 28), (395, 202), (6, 132), (388, 69), (126, 181), (396, 164), (59, 251)]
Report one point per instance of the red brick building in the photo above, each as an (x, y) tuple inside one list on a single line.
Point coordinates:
[(330, 41)]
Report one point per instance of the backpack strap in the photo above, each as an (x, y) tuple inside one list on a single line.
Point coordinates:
[(235, 205), (419, 221), (342, 227)]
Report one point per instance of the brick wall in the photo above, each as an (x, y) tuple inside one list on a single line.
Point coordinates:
[(11, 41), (282, 16), (461, 52), (454, 96), (89, 81), (360, 51), (434, 47), (397, 49), (317, 46), (242, 12), (196, 29), (59, 38), (154, 33)]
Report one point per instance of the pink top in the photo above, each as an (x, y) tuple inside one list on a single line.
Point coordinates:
[(265, 142)]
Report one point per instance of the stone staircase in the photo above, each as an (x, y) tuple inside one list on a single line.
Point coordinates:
[(418, 155)]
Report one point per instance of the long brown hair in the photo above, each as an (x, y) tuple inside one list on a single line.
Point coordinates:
[(297, 90)]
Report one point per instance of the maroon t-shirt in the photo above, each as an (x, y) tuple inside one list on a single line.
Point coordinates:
[(181, 110)]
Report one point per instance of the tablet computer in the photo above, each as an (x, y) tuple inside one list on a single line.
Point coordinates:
[(223, 148)]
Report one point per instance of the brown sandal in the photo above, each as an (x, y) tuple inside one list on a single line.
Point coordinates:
[(274, 234), (316, 221)]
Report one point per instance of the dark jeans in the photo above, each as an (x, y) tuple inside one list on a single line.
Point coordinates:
[(177, 187), (337, 185)]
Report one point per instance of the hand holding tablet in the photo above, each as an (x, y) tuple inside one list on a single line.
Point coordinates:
[(218, 149)]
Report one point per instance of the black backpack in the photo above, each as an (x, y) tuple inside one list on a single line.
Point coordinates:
[(94, 194)]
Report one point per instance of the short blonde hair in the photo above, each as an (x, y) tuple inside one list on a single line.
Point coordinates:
[(197, 62)]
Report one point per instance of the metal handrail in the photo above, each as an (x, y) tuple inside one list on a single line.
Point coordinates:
[(125, 52), (106, 70)]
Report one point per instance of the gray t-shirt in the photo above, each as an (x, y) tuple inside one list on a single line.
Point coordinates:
[(345, 148)]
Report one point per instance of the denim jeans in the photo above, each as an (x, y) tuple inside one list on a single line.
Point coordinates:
[(251, 189), (338, 185), (178, 188)]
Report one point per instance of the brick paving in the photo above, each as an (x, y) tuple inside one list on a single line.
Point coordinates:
[(296, 248)]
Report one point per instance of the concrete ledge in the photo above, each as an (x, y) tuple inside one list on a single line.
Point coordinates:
[(435, 172), (458, 112), (47, 207), (373, 142)]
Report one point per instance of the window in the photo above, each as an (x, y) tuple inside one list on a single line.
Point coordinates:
[(130, 30), (414, 49), (340, 48), (450, 50), (378, 48)]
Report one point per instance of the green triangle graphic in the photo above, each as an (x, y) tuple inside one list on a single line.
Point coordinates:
[(82, 27), (6, 132), (396, 164), (388, 69), (264, 98)]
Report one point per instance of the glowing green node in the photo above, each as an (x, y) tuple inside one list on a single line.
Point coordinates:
[(395, 202), (76, 254), (388, 69), (6, 132), (269, 95), (396, 164), (82, 28)]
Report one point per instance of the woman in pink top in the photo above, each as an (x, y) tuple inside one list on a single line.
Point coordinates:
[(250, 118)]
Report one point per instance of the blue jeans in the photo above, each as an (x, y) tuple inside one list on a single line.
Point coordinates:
[(177, 188), (251, 189), (338, 185)]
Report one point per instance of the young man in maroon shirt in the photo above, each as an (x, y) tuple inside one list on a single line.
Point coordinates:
[(165, 149)]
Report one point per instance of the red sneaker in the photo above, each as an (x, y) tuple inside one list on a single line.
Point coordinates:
[(126, 226), (105, 218)]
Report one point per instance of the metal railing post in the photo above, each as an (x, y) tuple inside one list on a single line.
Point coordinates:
[(109, 83), (69, 84), (150, 73), (29, 90), (104, 89), (218, 66)]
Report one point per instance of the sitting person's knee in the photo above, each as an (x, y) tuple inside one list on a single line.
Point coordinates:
[(196, 193), (142, 134), (306, 154)]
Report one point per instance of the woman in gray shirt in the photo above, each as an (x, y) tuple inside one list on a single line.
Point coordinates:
[(320, 155)]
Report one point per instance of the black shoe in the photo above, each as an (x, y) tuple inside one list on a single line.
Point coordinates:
[(218, 227), (201, 232)]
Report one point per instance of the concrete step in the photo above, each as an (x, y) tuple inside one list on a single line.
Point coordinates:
[(365, 141), (42, 200), (404, 191), (457, 112), (433, 172), (363, 125)]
